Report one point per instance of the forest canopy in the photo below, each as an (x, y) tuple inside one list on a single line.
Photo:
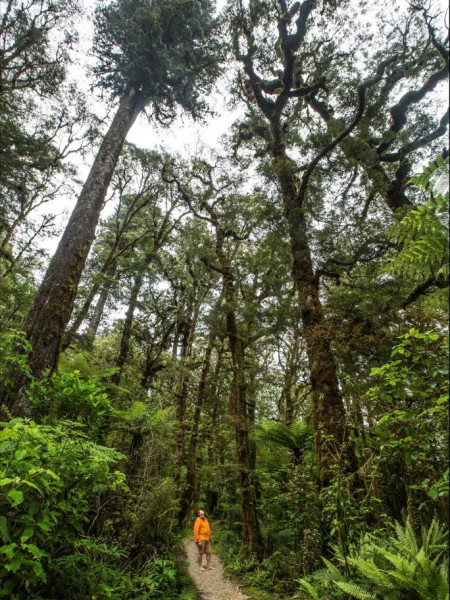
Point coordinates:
[(255, 326)]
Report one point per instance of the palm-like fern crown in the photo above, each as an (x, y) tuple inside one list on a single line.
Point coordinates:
[(296, 437)]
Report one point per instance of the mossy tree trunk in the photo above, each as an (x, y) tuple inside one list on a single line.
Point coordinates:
[(47, 320), (239, 409), (187, 499)]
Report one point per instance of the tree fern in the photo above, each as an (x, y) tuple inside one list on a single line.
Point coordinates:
[(296, 438), (423, 232)]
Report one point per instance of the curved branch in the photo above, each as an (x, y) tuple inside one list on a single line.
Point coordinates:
[(313, 164), (425, 289), (419, 143), (399, 110)]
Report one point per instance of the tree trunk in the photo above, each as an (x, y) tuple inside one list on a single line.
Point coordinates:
[(94, 321), (191, 463), (127, 329), (239, 411), (183, 385), (135, 455), (105, 286), (153, 353), (330, 429), (287, 408), (52, 307)]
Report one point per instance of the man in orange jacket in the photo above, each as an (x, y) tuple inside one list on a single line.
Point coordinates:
[(202, 537)]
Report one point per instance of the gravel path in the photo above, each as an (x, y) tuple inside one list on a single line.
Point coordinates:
[(212, 585)]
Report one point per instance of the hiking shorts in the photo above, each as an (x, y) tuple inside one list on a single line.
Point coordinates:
[(204, 547)]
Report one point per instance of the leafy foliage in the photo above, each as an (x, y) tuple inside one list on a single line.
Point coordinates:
[(412, 398), (423, 232), (13, 356), (163, 48), (50, 475), (69, 397), (401, 567), (70, 527)]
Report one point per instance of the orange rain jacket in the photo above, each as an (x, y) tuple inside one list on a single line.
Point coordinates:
[(201, 530)]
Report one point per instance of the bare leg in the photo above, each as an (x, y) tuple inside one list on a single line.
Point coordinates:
[(208, 562), (200, 557)]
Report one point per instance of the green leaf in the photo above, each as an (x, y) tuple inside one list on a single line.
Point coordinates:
[(20, 454), (35, 551), (8, 550), (27, 534), (39, 571), (17, 497), (6, 481)]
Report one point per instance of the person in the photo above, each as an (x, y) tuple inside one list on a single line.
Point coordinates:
[(202, 537)]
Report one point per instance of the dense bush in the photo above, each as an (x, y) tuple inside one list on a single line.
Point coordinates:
[(401, 567), (68, 396), (50, 479)]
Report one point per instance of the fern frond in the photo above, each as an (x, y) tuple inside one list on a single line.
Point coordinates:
[(370, 571), (406, 538), (296, 438), (423, 232), (355, 590), (442, 584), (309, 588), (331, 568)]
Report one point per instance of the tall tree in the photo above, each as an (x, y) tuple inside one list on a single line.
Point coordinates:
[(150, 53), (291, 64), (210, 199)]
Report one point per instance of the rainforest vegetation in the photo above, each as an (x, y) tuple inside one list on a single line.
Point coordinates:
[(257, 327)]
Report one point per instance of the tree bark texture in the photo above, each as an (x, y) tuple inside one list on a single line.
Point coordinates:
[(239, 411), (191, 463), (127, 329), (52, 307), (330, 430)]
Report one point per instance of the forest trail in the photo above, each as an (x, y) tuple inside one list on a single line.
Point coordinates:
[(212, 585)]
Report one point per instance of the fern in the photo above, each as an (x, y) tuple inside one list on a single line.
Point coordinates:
[(331, 568), (295, 438), (355, 590), (423, 232), (370, 571), (402, 567), (309, 588)]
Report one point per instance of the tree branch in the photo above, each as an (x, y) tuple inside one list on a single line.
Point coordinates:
[(424, 289)]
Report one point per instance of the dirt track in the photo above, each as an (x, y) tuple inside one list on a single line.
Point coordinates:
[(212, 585)]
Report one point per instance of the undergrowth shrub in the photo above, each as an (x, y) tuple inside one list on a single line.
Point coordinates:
[(13, 358), (68, 396), (401, 567), (49, 479), (154, 518)]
